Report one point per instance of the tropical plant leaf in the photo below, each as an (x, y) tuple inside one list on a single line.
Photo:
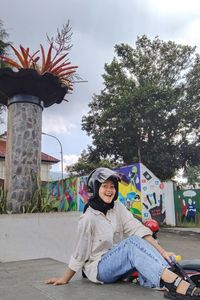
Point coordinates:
[(43, 57), (10, 62), (60, 66), (56, 65), (61, 71), (19, 56), (48, 61), (25, 54), (63, 75), (57, 61)]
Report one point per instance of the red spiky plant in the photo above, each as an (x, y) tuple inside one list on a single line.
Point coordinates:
[(53, 62)]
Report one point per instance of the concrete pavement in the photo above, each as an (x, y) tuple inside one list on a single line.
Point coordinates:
[(24, 280)]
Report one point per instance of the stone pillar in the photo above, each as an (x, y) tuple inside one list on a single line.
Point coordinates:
[(23, 151)]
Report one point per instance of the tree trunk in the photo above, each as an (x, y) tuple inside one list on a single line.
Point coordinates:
[(23, 151)]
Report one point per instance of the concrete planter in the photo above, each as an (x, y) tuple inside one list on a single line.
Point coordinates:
[(32, 236), (46, 88)]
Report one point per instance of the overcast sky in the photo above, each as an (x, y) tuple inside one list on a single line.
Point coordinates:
[(97, 26)]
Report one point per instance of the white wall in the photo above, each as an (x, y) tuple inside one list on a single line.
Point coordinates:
[(169, 203), (44, 173), (32, 236)]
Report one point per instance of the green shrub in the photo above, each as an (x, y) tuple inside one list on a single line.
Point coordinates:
[(2, 201), (41, 202)]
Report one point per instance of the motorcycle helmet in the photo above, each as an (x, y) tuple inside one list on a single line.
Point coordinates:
[(98, 176), (152, 224)]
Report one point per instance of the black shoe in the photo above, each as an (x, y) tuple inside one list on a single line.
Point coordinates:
[(192, 293)]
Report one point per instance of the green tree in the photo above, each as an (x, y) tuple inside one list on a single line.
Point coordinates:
[(3, 46), (86, 163), (193, 175), (3, 43), (142, 112)]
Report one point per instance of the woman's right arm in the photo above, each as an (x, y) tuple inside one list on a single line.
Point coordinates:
[(62, 280)]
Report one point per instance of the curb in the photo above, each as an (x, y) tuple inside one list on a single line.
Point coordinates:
[(180, 231)]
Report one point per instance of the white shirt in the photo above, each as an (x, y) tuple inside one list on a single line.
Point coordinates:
[(98, 233)]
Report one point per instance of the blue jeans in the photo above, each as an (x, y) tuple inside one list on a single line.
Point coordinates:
[(132, 253)]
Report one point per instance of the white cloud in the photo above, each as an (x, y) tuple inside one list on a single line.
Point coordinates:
[(176, 7), (56, 124), (70, 159), (191, 33)]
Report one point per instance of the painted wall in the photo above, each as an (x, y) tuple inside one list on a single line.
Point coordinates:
[(69, 196), (129, 193), (144, 193), (83, 195), (141, 191), (130, 190), (187, 207), (153, 196)]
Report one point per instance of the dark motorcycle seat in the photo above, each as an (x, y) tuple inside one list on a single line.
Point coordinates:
[(190, 264)]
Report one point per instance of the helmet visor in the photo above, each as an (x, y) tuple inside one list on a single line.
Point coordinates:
[(102, 174)]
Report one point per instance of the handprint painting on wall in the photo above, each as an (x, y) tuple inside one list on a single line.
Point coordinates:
[(152, 196)]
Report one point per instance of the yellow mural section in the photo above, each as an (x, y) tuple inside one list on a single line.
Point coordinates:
[(130, 196)]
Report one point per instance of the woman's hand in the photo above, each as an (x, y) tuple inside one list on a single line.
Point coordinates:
[(168, 255), (56, 281), (61, 280)]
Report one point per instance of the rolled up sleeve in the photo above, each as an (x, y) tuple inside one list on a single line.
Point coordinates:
[(82, 249), (131, 226)]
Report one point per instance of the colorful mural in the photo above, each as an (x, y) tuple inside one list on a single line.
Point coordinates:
[(130, 189), (83, 195), (153, 197), (187, 207), (140, 191), (68, 199)]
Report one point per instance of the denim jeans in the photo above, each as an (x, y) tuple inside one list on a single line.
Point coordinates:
[(130, 254)]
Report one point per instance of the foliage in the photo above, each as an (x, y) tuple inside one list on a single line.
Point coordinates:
[(149, 108), (53, 62), (193, 175), (3, 47), (3, 209), (86, 163), (3, 38), (41, 202)]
